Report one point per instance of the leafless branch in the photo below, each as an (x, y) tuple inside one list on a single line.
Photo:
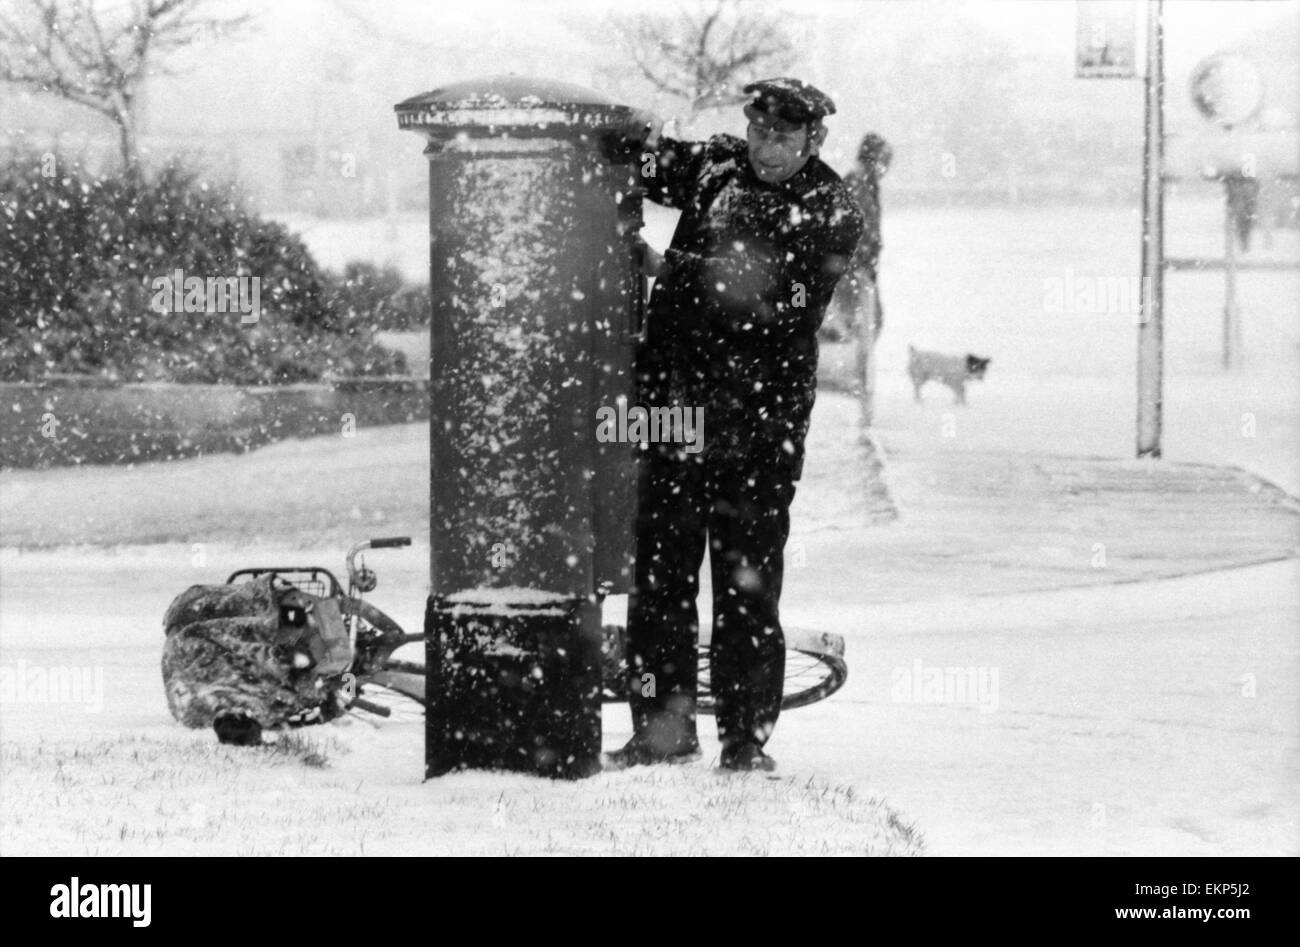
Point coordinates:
[(97, 57), (706, 51)]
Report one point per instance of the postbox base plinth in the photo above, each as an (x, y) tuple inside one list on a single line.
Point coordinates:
[(513, 684)]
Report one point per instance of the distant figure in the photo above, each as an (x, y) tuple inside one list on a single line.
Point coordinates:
[(874, 157), (1243, 206)]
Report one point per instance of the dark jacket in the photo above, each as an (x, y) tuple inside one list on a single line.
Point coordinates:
[(732, 324)]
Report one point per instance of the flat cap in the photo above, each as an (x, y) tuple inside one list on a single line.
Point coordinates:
[(788, 100)]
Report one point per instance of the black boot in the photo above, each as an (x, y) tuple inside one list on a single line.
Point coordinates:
[(238, 730), (640, 751), (746, 757)]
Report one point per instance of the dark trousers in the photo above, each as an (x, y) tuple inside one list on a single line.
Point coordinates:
[(743, 511)]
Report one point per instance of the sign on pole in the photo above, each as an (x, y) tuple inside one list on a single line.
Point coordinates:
[(1106, 39)]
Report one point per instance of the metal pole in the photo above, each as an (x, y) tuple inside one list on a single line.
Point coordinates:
[(866, 356), (1229, 285), (1150, 368)]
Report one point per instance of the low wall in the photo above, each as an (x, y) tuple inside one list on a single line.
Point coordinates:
[(72, 420)]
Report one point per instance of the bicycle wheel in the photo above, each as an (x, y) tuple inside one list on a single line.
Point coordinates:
[(814, 668)]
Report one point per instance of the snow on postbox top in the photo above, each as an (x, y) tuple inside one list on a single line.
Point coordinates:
[(511, 106)]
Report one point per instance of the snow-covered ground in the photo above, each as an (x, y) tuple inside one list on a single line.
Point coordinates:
[(1139, 718), (1108, 710), (1144, 717)]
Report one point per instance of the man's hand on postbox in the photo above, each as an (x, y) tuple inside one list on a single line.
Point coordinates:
[(638, 132)]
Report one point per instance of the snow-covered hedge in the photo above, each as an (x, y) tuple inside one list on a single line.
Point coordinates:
[(82, 256), (85, 420)]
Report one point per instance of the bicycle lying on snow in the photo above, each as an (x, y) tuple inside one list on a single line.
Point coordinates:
[(287, 645)]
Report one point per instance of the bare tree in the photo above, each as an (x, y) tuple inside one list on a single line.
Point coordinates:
[(706, 54), (98, 57)]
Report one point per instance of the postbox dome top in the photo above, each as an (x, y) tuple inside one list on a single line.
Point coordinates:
[(505, 102)]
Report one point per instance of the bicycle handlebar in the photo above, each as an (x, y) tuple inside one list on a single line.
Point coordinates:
[(391, 542), (354, 575)]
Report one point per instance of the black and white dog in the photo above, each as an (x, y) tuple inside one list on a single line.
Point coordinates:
[(951, 370)]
